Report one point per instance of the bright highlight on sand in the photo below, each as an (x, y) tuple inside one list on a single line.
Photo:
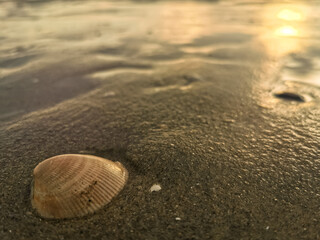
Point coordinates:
[(290, 15)]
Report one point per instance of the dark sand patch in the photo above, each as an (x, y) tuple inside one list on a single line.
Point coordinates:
[(24, 91)]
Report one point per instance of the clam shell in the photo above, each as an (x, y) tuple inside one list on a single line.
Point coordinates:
[(73, 185)]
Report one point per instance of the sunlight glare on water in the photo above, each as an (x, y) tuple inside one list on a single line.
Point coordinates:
[(290, 15), (179, 23), (287, 27), (287, 31)]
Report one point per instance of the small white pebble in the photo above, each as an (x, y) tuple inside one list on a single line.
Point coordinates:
[(267, 228), (155, 188), (109, 94), (178, 219)]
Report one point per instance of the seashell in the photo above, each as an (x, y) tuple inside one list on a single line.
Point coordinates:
[(73, 185)]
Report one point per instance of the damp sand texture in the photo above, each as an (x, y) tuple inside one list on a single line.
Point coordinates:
[(185, 95)]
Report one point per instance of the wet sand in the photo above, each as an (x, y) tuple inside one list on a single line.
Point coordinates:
[(190, 105)]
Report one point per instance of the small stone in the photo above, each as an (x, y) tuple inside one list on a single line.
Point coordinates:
[(29, 213), (109, 94), (155, 188), (178, 219)]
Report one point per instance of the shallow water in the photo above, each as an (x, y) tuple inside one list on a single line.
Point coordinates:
[(58, 44), (217, 101)]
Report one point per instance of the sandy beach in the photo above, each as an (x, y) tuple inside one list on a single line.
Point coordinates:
[(184, 94)]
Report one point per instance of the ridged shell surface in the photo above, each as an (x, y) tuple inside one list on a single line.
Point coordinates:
[(73, 185)]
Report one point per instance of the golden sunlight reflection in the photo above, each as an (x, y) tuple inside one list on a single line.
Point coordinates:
[(181, 24), (287, 31), (290, 15), (284, 29)]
